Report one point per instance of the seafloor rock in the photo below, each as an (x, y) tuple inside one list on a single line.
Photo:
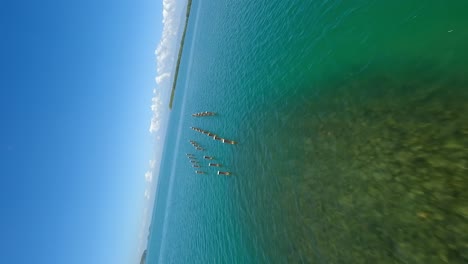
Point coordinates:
[(373, 172)]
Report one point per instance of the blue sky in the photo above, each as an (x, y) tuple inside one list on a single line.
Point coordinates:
[(76, 82)]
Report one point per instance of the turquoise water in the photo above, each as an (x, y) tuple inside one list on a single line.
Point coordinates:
[(352, 129)]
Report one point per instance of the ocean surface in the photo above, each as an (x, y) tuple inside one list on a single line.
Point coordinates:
[(352, 123)]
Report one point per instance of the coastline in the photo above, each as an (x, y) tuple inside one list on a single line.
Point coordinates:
[(179, 56)]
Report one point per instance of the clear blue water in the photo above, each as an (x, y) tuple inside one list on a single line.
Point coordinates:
[(350, 118)]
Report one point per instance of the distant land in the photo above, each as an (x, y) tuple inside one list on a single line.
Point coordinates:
[(174, 83), (143, 257)]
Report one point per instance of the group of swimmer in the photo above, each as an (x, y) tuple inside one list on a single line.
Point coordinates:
[(196, 145), (193, 159), (214, 136), (206, 113), (196, 164)]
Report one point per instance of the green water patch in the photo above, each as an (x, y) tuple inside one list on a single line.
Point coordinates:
[(369, 167)]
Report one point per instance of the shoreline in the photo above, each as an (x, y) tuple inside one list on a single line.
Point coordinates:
[(179, 56)]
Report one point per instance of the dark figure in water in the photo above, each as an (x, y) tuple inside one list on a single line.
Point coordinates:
[(214, 164), (208, 157), (232, 142), (196, 166), (224, 173), (215, 137), (194, 161), (189, 155), (199, 172), (199, 148)]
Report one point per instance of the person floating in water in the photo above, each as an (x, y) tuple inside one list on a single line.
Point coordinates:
[(196, 166), (214, 164), (208, 157), (199, 172), (224, 173)]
